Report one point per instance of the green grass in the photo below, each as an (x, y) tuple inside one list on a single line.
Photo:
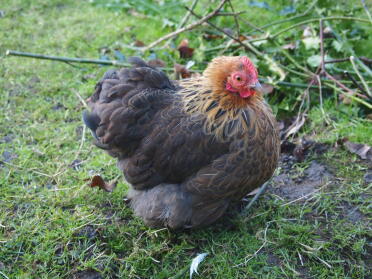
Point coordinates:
[(52, 225)]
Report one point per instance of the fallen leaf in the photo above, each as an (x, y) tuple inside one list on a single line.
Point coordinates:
[(139, 43), (210, 36), (181, 71), (97, 181), (364, 151), (195, 263), (184, 49)]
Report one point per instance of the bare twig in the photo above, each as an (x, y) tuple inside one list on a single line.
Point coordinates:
[(230, 14), (78, 60), (261, 190), (351, 96), (247, 259), (347, 59), (317, 19), (187, 15), (2, 274), (367, 11), (249, 47), (246, 46), (235, 19), (66, 59), (252, 25), (321, 34), (360, 76), (353, 80), (80, 98), (188, 27), (312, 5)]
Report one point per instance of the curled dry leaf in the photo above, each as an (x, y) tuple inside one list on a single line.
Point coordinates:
[(185, 50), (181, 71), (97, 181), (364, 151)]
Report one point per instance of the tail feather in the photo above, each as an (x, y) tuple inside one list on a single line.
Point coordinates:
[(92, 121), (168, 205)]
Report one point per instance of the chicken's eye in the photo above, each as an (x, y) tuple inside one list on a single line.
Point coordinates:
[(238, 78)]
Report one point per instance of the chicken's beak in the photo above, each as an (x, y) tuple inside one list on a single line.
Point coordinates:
[(257, 87)]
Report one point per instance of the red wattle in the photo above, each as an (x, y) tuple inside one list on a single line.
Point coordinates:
[(246, 93)]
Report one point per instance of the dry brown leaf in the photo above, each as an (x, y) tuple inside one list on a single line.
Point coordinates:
[(139, 43), (181, 71), (209, 36), (364, 151), (97, 181), (184, 49)]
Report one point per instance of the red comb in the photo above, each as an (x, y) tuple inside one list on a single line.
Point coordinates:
[(248, 65)]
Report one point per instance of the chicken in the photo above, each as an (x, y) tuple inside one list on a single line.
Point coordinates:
[(188, 149)]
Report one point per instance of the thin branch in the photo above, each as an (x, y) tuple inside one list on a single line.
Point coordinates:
[(188, 27), (187, 16), (291, 18), (367, 11), (230, 14), (321, 35), (66, 59), (252, 25), (353, 80), (317, 19), (78, 60), (351, 96), (246, 46), (260, 191), (347, 59), (235, 19), (360, 76)]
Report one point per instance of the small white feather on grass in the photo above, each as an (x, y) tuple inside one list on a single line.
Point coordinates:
[(195, 263)]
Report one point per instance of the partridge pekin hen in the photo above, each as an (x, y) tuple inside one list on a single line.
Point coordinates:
[(189, 148)]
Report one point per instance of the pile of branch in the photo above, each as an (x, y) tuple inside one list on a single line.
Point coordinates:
[(316, 80)]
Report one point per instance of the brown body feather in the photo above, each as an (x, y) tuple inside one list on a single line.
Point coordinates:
[(188, 152)]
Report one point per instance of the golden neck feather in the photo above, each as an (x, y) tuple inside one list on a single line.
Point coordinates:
[(227, 114)]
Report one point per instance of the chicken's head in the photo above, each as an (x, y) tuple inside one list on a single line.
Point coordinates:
[(235, 75), (244, 80)]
